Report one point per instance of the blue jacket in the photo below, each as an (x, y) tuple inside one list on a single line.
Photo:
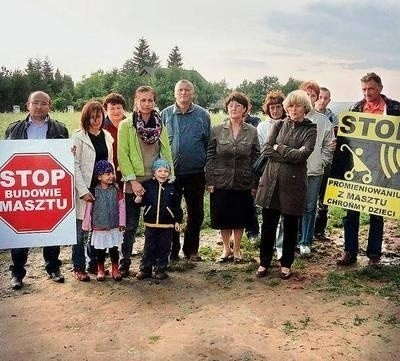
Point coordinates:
[(188, 134), (161, 204)]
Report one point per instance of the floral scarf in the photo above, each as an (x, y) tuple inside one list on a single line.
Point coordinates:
[(149, 133)]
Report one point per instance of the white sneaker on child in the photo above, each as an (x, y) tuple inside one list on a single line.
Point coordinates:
[(304, 250)]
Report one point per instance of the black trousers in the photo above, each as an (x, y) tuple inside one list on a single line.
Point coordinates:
[(268, 235), (157, 247), (321, 219), (19, 257), (192, 187)]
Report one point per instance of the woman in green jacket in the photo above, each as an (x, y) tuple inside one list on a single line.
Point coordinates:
[(141, 140)]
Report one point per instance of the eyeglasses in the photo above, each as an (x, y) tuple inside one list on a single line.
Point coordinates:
[(40, 104), (275, 107), (235, 105)]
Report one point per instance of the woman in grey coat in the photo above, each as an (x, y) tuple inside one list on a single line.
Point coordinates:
[(283, 185)]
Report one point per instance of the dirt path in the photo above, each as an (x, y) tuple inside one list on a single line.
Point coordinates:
[(210, 312)]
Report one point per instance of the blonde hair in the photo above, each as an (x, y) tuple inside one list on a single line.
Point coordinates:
[(298, 97)]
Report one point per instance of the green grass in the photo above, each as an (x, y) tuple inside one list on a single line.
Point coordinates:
[(71, 120), (383, 282)]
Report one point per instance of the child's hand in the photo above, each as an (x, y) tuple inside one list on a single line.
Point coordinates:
[(122, 228), (177, 227), (138, 199)]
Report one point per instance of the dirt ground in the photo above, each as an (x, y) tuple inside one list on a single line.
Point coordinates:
[(208, 312)]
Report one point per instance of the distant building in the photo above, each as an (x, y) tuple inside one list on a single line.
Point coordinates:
[(70, 108), (16, 109), (217, 107)]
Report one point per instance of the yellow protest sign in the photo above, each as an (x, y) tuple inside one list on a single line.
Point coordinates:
[(365, 172)]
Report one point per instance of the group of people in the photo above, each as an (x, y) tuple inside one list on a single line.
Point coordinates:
[(121, 165), (153, 160)]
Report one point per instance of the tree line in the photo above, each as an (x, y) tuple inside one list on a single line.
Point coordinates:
[(143, 68)]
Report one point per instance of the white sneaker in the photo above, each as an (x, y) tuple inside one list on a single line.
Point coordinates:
[(304, 250), (278, 253)]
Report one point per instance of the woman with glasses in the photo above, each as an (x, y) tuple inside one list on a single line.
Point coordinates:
[(232, 150)]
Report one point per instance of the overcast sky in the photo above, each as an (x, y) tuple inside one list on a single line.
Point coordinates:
[(333, 42)]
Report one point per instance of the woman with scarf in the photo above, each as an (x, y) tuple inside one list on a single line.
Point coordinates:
[(141, 140)]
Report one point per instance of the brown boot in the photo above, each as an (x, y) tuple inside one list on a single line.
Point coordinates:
[(116, 274), (101, 274), (347, 259)]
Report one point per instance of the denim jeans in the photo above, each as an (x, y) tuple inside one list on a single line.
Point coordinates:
[(192, 187), (321, 219), (132, 222), (351, 224), (157, 247), (19, 257), (78, 249), (310, 210)]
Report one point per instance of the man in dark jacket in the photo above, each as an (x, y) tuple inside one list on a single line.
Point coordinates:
[(37, 125), (376, 103)]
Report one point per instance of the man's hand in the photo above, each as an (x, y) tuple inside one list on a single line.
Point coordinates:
[(88, 197)]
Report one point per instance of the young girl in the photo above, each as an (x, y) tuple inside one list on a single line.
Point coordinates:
[(105, 216), (162, 214)]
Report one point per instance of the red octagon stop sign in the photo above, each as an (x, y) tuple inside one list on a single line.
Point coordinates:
[(36, 193)]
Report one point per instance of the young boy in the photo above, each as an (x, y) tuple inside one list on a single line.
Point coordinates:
[(162, 214)]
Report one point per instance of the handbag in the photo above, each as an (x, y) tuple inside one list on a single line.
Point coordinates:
[(261, 161), (259, 165)]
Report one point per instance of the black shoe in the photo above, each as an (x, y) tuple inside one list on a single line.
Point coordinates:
[(124, 271), (321, 237), (57, 277), (142, 275), (16, 283), (160, 275)]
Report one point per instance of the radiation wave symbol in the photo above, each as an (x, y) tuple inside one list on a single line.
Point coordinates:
[(390, 160)]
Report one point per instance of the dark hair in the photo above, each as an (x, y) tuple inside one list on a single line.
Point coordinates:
[(239, 97), (310, 85), (273, 97), (87, 110), (372, 76), (114, 98)]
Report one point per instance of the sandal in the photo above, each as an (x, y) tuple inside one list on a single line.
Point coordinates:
[(285, 273), (261, 272), (238, 259), (223, 259)]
